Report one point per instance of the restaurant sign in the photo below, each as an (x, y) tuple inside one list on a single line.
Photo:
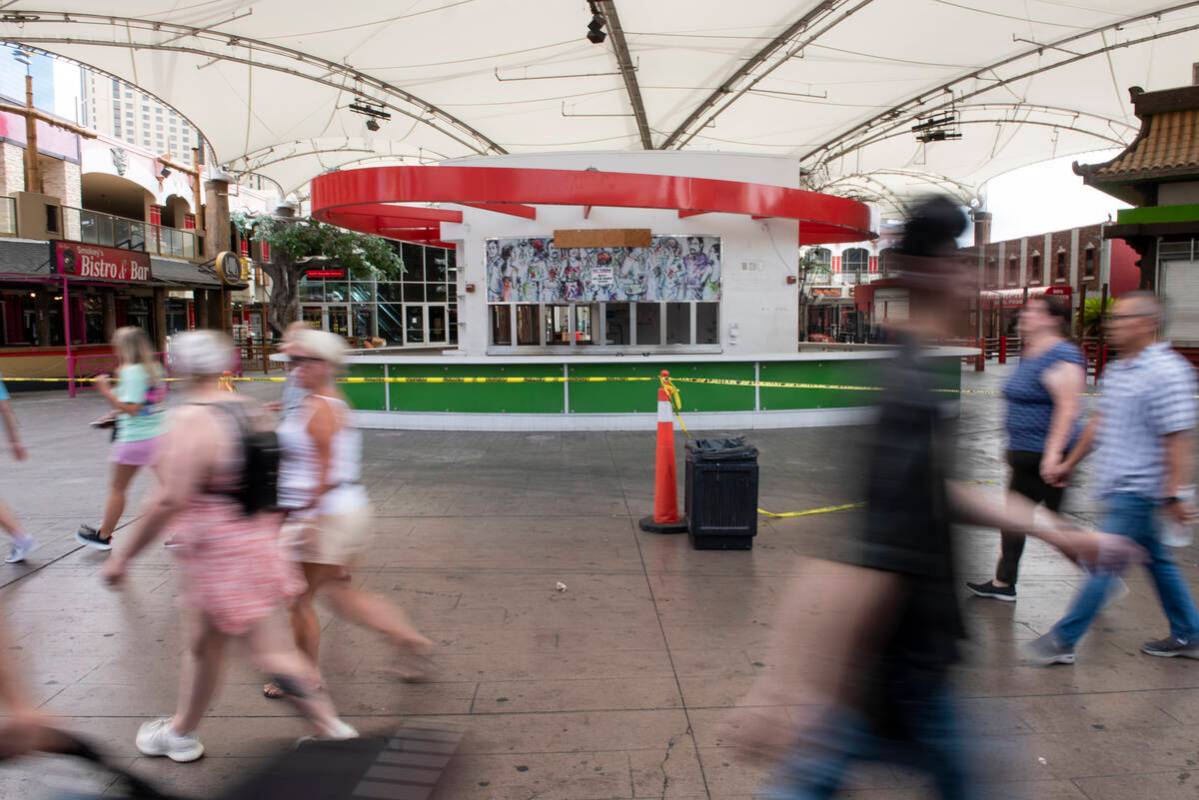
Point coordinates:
[(99, 263)]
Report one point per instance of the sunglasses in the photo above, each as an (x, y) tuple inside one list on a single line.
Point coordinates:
[(298, 360), (1118, 317)]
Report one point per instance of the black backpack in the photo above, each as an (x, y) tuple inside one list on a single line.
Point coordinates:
[(258, 485)]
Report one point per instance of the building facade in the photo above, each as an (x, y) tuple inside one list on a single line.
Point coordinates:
[(134, 117)]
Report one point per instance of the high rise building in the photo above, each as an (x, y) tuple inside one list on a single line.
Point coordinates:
[(125, 112)]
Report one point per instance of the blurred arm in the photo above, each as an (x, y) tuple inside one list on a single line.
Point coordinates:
[(1064, 382), (187, 453), (1083, 447), (1012, 512), (10, 421), (1180, 467)]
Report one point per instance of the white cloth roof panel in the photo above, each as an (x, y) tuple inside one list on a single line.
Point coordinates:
[(866, 55)]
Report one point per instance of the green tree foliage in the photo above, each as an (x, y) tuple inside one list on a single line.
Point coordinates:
[(1092, 314), (296, 243)]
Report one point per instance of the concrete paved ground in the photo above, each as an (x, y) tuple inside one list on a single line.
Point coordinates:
[(611, 689)]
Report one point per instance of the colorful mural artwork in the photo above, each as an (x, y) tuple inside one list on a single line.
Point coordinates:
[(671, 269)]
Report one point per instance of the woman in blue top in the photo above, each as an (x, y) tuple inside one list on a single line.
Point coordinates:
[(1044, 405), (138, 401)]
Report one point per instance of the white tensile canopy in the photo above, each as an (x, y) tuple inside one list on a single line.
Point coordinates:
[(836, 84)]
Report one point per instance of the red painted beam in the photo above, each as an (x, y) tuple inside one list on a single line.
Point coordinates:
[(513, 209), (340, 195)]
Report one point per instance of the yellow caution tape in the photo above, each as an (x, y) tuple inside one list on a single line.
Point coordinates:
[(809, 512)]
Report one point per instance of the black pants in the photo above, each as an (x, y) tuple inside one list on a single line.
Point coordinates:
[(1026, 480)]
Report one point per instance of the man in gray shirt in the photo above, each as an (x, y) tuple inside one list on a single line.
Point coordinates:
[(1143, 437)]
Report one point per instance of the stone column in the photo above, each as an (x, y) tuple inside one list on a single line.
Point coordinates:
[(216, 218), (201, 304), (160, 318), (43, 315), (110, 314)]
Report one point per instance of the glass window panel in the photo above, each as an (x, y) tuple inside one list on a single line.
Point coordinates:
[(414, 324), (617, 318), (707, 323), (557, 325), (649, 323), (453, 325), (437, 324), (391, 323), (312, 290), (362, 291), (435, 266), (414, 262), (451, 260), (585, 318), (336, 290), (436, 293), (390, 292), (339, 320), (364, 320), (527, 325), (414, 292), (93, 318), (501, 325), (312, 316), (678, 323)]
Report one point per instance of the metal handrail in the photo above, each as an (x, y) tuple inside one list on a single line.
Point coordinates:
[(96, 227)]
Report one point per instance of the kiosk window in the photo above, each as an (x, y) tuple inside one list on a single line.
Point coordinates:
[(616, 324), (501, 325), (707, 323), (649, 323), (528, 328), (678, 323)]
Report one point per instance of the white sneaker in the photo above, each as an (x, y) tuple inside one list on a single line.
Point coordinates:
[(157, 739), (342, 731), (21, 547)]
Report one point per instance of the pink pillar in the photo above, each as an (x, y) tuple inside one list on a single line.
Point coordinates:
[(66, 334)]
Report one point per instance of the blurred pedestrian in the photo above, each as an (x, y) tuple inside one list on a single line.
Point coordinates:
[(1044, 408), (329, 525), (22, 542), (138, 403), (234, 579), (864, 646), (1143, 436)]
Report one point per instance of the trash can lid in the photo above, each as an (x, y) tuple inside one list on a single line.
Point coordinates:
[(722, 449)]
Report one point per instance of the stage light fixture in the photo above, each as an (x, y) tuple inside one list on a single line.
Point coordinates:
[(164, 173), (595, 28), (369, 108)]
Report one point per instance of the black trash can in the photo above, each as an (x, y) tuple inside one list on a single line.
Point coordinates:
[(722, 494)]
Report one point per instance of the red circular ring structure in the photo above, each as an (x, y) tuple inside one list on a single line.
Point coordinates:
[(362, 199)]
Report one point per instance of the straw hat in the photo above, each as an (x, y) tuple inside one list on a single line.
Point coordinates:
[(321, 344)]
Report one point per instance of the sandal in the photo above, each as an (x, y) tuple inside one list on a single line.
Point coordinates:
[(274, 691)]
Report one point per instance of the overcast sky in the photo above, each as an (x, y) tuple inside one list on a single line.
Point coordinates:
[(1047, 197)]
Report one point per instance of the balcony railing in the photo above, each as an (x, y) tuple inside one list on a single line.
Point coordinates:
[(95, 227)]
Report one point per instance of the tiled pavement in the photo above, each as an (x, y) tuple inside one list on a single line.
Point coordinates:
[(614, 688)]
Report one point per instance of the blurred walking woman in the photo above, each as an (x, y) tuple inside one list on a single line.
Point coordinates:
[(329, 525), (137, 401), (1044, 406), (233, 577)]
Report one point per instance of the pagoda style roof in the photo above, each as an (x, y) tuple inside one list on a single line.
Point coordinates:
[(1166, 149)]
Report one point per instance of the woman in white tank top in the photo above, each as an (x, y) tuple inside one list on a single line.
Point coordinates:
[(329, 521)]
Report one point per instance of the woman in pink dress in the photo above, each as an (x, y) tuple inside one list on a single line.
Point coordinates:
[(234, 581)]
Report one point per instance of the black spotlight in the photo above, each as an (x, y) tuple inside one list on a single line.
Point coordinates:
[(595, 28), (371, 125)]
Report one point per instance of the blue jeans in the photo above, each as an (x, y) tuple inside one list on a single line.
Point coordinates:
[(934, 743), (1134, 516)]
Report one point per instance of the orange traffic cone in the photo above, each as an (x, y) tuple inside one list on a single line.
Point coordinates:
[(665, 518)]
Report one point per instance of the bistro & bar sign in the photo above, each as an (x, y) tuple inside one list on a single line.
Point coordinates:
[(99, 263)]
